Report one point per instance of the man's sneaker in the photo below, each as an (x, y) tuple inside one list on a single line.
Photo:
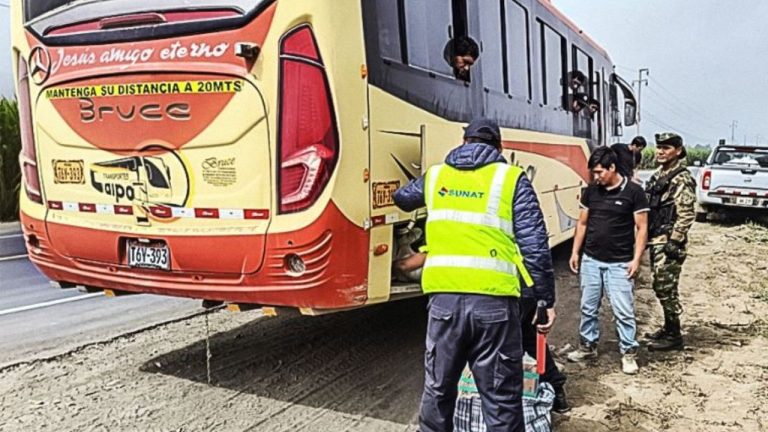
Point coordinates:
[(560, 404), (629, 362), (585, 352)]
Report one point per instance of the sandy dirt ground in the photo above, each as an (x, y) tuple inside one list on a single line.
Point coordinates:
[(362, 370)]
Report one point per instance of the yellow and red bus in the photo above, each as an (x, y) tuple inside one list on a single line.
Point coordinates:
[(246, 151)]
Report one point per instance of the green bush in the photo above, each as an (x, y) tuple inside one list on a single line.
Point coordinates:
[(694, 154), (10, 173)]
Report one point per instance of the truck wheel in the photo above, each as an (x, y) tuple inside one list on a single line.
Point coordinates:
[(701, 216)]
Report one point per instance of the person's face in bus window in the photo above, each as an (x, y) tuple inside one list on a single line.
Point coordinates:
[(462, 64), (576, 83)]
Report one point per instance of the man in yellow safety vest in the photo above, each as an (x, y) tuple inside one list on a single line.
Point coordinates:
[(485, 237)]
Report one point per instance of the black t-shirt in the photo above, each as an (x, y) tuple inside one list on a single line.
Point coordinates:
[(611, 224), (625, 162)]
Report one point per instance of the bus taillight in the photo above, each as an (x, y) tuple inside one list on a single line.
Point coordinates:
[(28, 156), (308, 140)]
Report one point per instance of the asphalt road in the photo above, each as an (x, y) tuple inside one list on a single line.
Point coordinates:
[(38, 320), (11, 243)]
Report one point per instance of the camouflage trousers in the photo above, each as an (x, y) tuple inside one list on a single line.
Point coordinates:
[(666, 277)]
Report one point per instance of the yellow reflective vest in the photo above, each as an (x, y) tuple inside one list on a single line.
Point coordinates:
[(470, 236)]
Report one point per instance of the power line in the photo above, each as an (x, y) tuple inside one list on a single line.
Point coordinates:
[(683, 103), (689, 117), (625, 68), (678, 106), (658, 122), (678, 99)]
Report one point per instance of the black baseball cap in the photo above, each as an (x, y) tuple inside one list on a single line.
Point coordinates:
[(483, 128)]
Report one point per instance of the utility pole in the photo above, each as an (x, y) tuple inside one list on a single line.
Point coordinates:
[(757, 139), (733, 131), (640, 81)]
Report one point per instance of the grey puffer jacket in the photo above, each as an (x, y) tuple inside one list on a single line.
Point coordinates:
[(529, 227)]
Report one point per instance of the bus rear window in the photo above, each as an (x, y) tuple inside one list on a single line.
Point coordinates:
[(37, 8)]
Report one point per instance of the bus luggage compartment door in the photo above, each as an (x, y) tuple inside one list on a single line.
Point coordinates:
[(180, 160)]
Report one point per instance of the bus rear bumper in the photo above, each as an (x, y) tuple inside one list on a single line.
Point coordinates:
[(335, 276)]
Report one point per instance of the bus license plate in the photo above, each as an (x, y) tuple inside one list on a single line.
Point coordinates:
[(744, 201), (149, 255)]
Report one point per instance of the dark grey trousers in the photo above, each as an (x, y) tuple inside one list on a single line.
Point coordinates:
[(483, 331)]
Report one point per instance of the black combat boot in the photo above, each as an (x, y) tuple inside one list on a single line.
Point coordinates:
[(660, 333), (560, 404), (673, 340)]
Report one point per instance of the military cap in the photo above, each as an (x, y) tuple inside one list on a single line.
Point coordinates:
[(671, 139)]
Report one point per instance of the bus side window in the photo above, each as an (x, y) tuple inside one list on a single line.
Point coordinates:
[(517, 46), (389, 32), (505, 48), (553, 66), (615, 118), (428, 25)]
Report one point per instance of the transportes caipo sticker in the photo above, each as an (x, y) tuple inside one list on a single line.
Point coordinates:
[(149, 88)]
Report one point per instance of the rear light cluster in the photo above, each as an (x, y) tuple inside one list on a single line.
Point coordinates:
[(308, 140), (706, 180), (28, 156)]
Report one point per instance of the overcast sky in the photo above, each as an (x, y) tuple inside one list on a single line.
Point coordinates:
[(708, 61)]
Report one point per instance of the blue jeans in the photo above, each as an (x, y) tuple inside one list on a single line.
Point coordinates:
[(596, 277)]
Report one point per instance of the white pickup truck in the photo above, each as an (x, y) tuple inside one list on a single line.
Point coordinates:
[(734, 178)]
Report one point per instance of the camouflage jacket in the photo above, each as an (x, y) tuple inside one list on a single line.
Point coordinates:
[(682, 189)]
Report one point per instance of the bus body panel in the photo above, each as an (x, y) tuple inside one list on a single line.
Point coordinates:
[(330, 247), (396, 155), (217, 251), (229, 237), (145, 170)]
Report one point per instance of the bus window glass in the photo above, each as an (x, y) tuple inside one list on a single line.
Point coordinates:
[(583, 63), (518, 68), (36, 8), (490, 38), (389, 30), (428, 25), (552, 65)]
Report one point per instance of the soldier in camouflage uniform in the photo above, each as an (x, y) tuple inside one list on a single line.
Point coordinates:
[(671, 194)]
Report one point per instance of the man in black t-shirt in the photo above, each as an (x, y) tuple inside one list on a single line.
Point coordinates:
[(612, 228)]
